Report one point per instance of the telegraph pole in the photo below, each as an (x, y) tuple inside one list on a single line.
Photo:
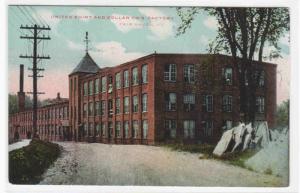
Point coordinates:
[(35, 29)]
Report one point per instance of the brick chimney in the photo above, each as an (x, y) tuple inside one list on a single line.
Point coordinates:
[(21, 94), (58, 96)]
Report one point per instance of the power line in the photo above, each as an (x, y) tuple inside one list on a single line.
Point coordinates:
[(35, 69), (38, 16), (35, 19), (31, 21)]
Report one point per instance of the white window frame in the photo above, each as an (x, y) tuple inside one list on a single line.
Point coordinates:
[(135, 76), (189, 127), (145, 73), (227, 103), (144, 102), (189, 73), (170, 75)]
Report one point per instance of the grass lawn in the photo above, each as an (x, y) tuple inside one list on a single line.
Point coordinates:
[(236, 158)]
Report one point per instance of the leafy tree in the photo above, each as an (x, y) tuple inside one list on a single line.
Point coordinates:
[(13, 106), (282, 114), (243, 34)]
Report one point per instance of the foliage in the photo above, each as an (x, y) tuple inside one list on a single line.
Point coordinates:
[(235, 158), (27, 164), (238, 158), (13, 103), (282, 114)]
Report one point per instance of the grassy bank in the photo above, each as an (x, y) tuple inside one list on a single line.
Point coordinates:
[(236, 158), (27, 164)]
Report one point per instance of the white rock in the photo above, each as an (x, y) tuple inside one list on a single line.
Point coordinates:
[(262, 137), (238, 133), (223, 143)]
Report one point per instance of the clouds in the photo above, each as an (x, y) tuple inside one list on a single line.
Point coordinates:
[(211, 23), (74, 46), (161, 29), (112, 53)]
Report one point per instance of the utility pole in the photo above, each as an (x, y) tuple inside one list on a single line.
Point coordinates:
[(35, 30)]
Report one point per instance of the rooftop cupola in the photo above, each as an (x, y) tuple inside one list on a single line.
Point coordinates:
[(87, 64)]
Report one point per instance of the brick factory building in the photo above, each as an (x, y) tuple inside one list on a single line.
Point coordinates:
[(158, 98)]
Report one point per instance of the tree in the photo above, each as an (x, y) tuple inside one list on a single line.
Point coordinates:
[(243, 34), (13, 103), (282, 114)]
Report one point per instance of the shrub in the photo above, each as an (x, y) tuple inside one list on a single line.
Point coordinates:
[(27, 164)]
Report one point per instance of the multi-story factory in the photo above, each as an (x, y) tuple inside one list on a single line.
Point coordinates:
[(157, 98)]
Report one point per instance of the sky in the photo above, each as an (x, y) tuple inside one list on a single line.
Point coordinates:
[(117, 35)]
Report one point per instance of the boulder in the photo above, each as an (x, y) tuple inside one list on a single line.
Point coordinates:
[(223, 143), (262, 135), (238, 135)]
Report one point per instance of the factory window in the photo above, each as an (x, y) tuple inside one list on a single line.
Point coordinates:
[(103, 107), (110, 107), (97, 86), (260, 104), (189, 128), (227, 103), (189, 102), (135, 129), (208, 128), (135, 76), (97, 108), (126, 129), (145, 129), (144, 103), (135, 104), (227, 75), (170, 128), (103, 129), (126, 104), (227, 124), (118, 80), (91, 109), (118, 106), (110, 84), (103, 84), (118, 129), (170, 100), (189, 73), (261, 80), (207, 103), (98, 129), (85, 86), (170, 72), (126, 78), (84, 110), (91, 87), (145, 73)]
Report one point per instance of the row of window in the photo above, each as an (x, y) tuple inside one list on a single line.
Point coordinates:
[(93, 86), (101, 129), (99, 107), (170, 74), (189, 102), (61, 113)]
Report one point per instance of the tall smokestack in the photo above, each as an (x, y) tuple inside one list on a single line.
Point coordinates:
[(21, 78), (21, 94)]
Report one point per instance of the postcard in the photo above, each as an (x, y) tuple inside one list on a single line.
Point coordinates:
[(154, 96)]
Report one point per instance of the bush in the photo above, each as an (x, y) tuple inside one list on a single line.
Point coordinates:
[(27, 164)]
